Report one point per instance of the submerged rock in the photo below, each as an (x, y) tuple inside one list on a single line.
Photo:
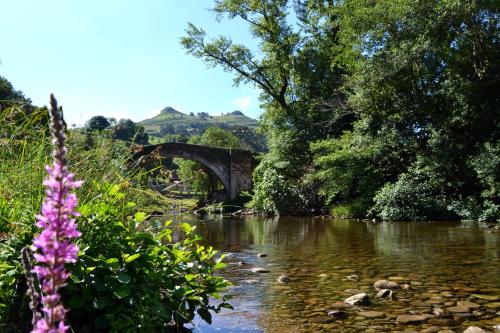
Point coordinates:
[(386, 284), (384, 293), (494, 305), (352, 277), (353, 291), (438, 312), (340, 305), (467, 304), (371, 314), (474, 329), (337, 314), (359, 299), (320, 320), (283, 278), (410, 319), (458, 309), (486, 297), (259, 270)]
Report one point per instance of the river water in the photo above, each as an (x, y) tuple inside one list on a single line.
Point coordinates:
[(441, 263)]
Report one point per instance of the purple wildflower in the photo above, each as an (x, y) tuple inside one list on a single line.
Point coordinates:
[(58, 229)]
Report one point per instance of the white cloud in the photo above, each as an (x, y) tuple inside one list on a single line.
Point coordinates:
[(242, 103)]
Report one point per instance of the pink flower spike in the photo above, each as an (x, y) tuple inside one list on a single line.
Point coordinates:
[(54, 244)]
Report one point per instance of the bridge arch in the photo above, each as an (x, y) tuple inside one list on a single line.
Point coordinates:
[(233, 167), (220, 174)]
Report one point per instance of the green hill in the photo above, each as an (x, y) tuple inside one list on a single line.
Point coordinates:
[(173, 125)]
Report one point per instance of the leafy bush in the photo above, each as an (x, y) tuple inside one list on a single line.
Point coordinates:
[(128, 278), (274, 194), (415, 195), (487, 166)]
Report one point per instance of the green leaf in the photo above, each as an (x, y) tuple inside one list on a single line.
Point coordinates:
[(226, 305), (113, 263), (84, 210), (122, 292), (114, 189), (129, 258), (219, 265), (186, 227), (140, 216), (123, 278), (76, 302), (189, 277), (100, 303), (205, 315)]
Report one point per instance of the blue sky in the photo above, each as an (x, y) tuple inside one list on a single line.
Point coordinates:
[(118, 58)]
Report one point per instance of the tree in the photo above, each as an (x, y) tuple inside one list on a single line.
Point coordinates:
[(127, 130), (424, 82), (295, 68), (249, 138), (97, 123), (9, 96)]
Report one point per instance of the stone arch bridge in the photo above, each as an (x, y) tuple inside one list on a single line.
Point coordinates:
[(233, 167)]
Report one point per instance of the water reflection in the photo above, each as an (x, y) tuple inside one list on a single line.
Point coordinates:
[(318, 254)]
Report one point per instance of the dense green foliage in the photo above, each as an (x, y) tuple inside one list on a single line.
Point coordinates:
[(127, 130), (131, 276), (97, 123), (386, 108)]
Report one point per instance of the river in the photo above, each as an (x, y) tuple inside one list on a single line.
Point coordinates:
[(452, 266)]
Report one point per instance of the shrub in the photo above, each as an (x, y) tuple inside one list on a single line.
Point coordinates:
[(274, 194), (356, 209), (415, 195), (487, 167), (130, 278)]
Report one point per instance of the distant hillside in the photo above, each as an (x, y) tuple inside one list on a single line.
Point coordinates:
[(173, 125)]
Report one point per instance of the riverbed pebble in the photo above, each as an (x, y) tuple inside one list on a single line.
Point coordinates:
[(358, 299), (432, 329), (384, 293), (371, 314), (468, 304), (337, 314), (407, 319), (283, 278), (474, 329), (259, 270), (385, 284), (486, 297)]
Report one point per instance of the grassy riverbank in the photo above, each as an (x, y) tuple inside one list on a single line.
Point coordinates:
[(128, 277)]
